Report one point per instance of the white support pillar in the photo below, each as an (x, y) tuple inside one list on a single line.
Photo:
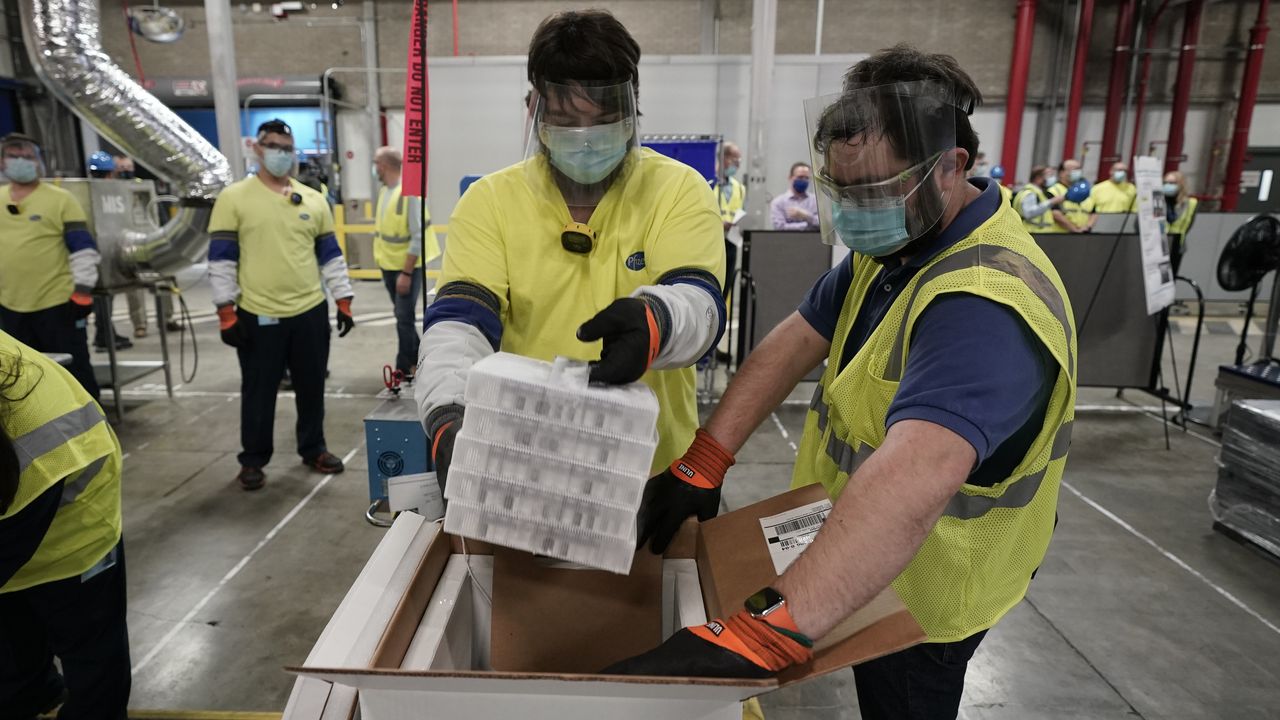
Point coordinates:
[(764, 28), (373, 94), (226, 96)]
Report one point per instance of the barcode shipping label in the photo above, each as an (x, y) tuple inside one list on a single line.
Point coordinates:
[(788, 534)]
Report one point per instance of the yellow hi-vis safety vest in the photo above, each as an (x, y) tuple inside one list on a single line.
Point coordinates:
[(977, 560), (1042, 223), (732, 196), (1077, 213), (391, 232), (61, 434), (1182, 223)]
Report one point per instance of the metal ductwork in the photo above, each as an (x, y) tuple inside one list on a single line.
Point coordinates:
[(62, 38)]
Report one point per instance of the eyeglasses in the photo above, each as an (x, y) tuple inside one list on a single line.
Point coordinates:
[(277, 146), (863, 192)]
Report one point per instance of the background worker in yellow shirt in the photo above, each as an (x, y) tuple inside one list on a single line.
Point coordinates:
[(593, 248), (62, 576), (398, 249), (48, 261), (1116, 194), (272, 242)]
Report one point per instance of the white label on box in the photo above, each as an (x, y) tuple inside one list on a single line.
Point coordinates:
[(789, 533), (419, 492)]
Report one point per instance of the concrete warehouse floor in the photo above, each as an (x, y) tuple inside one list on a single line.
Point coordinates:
[(1140, 609)]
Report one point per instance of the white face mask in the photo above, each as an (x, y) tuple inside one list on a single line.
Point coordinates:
[(1119, 176), (21, 170)]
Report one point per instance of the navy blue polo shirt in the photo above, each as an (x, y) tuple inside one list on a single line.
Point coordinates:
[(975, 366)]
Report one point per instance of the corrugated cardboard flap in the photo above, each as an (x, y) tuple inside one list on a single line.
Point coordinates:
[(734, 562)]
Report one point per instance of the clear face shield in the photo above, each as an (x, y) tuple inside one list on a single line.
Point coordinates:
[(581, 140), (884, 163)]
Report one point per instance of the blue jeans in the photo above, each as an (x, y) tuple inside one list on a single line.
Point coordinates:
[(407, 332)]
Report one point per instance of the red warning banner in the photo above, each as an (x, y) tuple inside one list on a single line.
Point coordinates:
[(416, 107)]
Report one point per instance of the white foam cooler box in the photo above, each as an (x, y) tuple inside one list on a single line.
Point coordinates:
[(430, 630)]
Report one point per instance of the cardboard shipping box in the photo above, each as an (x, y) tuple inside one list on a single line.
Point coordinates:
[(484, 632)]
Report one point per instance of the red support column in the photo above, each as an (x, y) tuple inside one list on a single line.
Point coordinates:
[(1244, 114), (1182, 86), (1018, 72), (1076, 98), (1116, 88)]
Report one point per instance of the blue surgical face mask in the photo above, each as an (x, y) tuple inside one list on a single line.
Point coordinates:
[(874, 232), (800, 185), (1170, 189), (21, 170), (1075, 175), (587, 155), (1119, 176), (1051, 179), (277, 162), (731, 171)]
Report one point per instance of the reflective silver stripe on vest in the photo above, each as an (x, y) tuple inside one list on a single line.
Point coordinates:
[(820, 407), (394, 239), (992, 257), (57, 431), (1019, 494), (845, 457), (72, 490)]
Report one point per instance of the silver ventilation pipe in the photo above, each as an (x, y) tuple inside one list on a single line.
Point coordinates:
[(62, 38)]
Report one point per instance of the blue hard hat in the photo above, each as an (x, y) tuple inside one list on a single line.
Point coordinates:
[(997, 172), (1079, 191), (101, 161)]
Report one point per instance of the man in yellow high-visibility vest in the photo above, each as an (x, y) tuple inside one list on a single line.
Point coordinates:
[(941, 424), (401, 249)]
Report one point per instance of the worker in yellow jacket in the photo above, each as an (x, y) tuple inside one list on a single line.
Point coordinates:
[(401, 249), (1076, 217), (1039, 210), (941, 424), (62, 574), (1180, 212), (1115, 194), (592, 248)]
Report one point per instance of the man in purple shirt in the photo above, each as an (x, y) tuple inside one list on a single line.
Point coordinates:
[(796, 209)]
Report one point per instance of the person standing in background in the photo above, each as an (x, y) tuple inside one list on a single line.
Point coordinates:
[(272, 242), (1039, 211), (1180, 212), (50, 261), (796, 209), (398, 244), (1116, 194), (1076, 216)]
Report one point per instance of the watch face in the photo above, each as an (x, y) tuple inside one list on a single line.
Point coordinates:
[(764, 601)]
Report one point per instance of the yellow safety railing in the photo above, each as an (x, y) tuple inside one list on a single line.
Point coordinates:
[(341, 227)]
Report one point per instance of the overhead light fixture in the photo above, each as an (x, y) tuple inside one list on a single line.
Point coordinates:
[(157, 24)]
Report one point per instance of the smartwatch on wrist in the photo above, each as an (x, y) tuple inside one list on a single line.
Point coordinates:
[(770, 607)]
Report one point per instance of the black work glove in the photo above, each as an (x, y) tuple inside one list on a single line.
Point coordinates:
[(444, 422), (81, 304), (234, 333), (632, 330), (344, 319), (691, 486), (717, 650)]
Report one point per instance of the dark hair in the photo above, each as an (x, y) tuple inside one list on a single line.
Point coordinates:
[(797, 165), (903, 63), (1038, 172), (10, 470), (589, 47), (17, 138)]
